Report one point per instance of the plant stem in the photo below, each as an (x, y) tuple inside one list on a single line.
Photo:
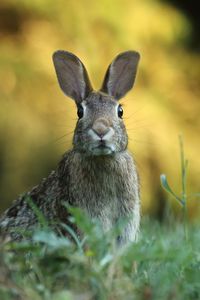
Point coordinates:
[(184, 164)]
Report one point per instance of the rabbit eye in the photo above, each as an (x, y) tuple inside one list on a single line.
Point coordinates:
[(120, 111), (80, 111)]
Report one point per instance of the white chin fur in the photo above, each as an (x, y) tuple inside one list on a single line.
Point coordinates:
[(102, 151)]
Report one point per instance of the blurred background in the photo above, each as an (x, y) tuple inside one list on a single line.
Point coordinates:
[(37, 120)]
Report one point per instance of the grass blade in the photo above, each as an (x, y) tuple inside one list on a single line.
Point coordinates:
[(166, 186)]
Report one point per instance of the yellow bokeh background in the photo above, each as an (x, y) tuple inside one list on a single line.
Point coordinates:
[(37, 120)]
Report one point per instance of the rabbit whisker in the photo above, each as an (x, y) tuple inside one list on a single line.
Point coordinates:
[(146, 142)]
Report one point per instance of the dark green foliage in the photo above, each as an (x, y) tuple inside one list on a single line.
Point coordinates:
[(162, 265)]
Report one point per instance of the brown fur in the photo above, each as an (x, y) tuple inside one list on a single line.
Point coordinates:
[(98, 175)]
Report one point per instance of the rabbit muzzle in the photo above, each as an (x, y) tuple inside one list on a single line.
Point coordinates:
[(101, 142)]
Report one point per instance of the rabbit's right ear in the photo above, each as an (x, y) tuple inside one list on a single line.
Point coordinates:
[(120, 76), (72, 75)]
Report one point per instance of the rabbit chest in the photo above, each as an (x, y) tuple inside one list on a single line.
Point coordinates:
[(105, 187)]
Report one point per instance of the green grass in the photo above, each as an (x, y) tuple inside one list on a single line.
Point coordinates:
[(162, 265), (183, 197)]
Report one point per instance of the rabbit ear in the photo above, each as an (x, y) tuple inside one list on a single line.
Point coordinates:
[(72, 75), (120, 76)]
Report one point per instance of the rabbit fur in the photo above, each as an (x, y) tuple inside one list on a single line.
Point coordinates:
[(98, 174)]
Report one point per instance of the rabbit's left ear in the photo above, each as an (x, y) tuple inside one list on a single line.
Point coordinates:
[(121, 73), (72, 75)]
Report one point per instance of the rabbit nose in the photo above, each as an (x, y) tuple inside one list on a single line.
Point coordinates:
[(101, 128)]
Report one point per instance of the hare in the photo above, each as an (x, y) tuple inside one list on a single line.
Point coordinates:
[(98, 174)]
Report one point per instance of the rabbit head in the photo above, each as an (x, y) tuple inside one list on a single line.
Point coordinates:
[(100, 129)]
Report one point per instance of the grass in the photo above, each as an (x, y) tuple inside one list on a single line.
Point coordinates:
[(162, 265), (183, 198)]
